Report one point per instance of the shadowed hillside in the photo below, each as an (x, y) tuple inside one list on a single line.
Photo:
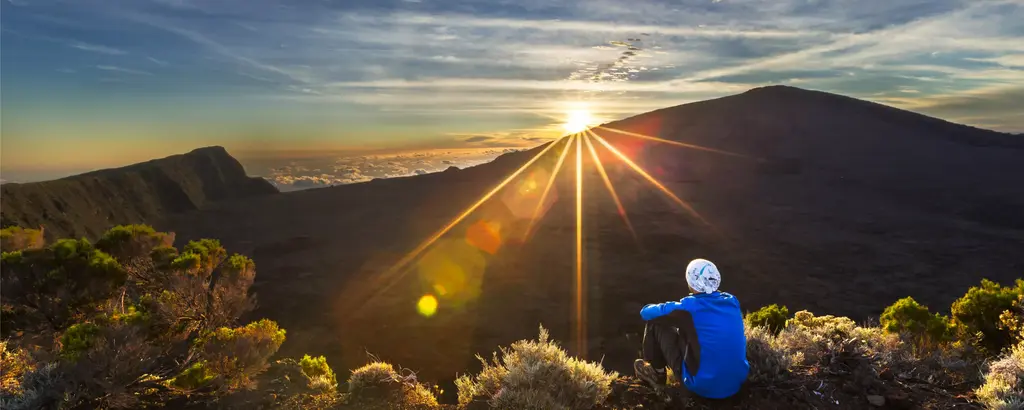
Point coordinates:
[(835, 205), (88, 204)]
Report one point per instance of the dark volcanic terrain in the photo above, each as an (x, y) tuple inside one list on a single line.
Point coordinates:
[(835, 205)]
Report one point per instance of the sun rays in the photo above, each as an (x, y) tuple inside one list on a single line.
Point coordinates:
[(539, 181)]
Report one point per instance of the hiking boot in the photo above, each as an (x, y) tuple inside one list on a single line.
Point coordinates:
[(644, 371)]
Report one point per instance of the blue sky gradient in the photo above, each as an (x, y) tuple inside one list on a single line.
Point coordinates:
[(93, 83)]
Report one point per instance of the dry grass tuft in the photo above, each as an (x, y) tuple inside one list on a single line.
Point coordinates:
[(378, 385), (537, 374), (1004, 382)]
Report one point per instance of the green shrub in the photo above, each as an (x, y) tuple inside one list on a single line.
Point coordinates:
[(534, 373), (210, 252), (194, 377), (129, 324), (188, 262), (320, 375), (1004, 382), (913, 320), (238, 354), (977, 314), (77, 340), (162, 256), (1012, 321), (15, 238), (125, 242), (773, 317), (61, 284)]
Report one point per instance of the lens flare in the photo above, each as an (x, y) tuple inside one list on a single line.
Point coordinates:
[(547, 189), (649, 178), (581, 341), (427, 305), (393, 275), (611, 189), (670, 142)]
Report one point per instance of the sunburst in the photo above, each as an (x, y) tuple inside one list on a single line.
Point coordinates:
[(578, 124)]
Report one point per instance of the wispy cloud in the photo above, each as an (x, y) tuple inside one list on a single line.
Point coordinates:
[(96, 48), (161, 63), (209, 43), (583, 26), (122, 70)]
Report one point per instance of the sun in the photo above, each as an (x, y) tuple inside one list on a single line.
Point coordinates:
[(577, 121)]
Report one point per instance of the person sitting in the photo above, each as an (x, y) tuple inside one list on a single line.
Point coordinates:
[(700, 337)]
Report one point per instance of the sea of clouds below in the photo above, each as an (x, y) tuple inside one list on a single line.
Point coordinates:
[(292, 174)]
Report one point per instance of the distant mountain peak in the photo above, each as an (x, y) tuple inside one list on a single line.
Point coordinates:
[(210, 149), (776, 88)]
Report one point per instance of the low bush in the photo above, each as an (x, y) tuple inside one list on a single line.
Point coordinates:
[(195, 377), (534, 374), (236, 355), (913, 321), (977, 315), (126, 323), (319, 374), (1004, 382), (815, 339), (378, 386), (772, 317), (769, 362), (14, 238)]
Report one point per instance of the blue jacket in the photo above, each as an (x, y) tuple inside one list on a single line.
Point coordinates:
[(723, 345)]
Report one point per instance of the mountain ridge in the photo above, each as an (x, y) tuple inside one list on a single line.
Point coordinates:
[(85, 205)]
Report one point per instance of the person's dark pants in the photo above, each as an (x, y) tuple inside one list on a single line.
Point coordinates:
[(663, 347), (669, 341)]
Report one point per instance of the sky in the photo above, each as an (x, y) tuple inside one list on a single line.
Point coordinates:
[(323, 84)]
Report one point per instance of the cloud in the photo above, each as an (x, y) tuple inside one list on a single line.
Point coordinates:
[(96, 48), (328, 170), (199, 38), (158, 62), (122, 70), (479, 138), (584, 26), (994, 106)]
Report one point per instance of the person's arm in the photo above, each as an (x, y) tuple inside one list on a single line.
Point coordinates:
[(657, 310)]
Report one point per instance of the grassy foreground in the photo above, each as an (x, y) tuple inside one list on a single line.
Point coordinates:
[(132, 321)]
